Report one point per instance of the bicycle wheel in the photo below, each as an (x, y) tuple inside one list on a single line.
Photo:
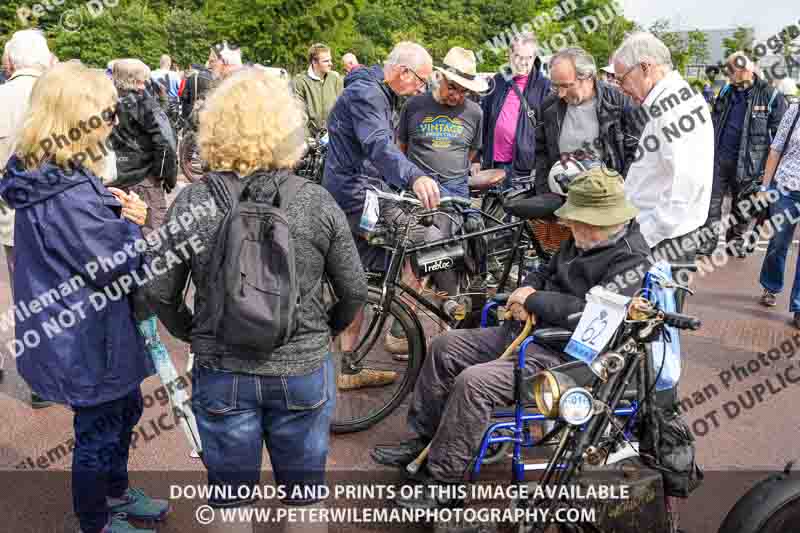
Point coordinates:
[(191, 165), (358, 408)]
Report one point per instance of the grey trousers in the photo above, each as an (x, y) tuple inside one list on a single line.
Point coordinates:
[(152, 193), (460, 385)]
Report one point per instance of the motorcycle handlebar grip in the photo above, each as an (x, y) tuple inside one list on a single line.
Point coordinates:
[(680, 321), (464, 202), (501, 298)]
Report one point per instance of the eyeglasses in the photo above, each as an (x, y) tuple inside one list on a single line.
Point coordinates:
[(621, 79), (522, 59), (456, 88), (421, 80), (555, 87)]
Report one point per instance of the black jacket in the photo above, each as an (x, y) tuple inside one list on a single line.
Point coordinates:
[(198, 83), (561, 287), (535, 92), (765, 109), (143, 142), (619, 132)]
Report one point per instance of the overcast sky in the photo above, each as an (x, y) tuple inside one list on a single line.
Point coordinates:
[(766, 16)]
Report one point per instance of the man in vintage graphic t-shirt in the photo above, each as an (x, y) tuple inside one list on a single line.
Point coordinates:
[(441, 133)]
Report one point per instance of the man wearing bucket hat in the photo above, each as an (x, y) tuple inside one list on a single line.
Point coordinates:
[(462, 380)]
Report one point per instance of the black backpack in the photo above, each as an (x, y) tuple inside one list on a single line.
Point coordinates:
[(253, 296)]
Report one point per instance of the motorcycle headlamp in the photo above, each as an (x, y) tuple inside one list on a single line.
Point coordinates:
[(548, 388), (606, 364), (576, 406)]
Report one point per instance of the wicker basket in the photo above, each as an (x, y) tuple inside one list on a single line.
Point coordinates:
[(550, 234)]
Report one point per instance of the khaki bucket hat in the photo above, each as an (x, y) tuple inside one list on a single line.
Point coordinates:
[(597, 197)]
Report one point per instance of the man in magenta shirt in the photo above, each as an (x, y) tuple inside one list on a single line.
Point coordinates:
[(509, 122)]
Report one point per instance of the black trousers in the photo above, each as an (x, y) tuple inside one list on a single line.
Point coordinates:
[(725, 182)]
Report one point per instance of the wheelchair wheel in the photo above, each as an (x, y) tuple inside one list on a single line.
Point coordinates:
[(496, 453), (361, 403)]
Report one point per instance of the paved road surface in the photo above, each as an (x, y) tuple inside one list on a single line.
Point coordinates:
[(761, 435)]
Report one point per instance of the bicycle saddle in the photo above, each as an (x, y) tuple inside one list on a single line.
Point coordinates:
[(539, 206), (486, 179)]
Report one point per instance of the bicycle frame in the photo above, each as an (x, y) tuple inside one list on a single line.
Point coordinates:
[(391, 281)]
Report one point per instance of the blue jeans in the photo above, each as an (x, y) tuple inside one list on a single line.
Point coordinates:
[(775, 261), (236, 413), (100, 460)]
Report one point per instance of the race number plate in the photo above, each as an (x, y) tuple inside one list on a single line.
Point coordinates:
[(371, 213), (604, 312)]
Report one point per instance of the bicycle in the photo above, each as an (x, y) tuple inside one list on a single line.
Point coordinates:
[(390, 298), (312, 166)]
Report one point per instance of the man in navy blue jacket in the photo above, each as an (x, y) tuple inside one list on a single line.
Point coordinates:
[(362, 139), (363, 152), (510, 121)]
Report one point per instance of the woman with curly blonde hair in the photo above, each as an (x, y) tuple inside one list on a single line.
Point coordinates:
[(68, 222), (251, 134)]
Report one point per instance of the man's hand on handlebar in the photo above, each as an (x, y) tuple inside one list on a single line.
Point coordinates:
[(427, 190)]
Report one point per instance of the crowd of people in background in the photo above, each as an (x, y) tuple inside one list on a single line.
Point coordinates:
[(412, 123)]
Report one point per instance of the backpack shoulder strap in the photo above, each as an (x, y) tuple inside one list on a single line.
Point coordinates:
[(771, 99), (288, 189)]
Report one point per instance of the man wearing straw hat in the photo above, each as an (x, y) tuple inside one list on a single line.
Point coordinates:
[(462, 380), (441, 132)]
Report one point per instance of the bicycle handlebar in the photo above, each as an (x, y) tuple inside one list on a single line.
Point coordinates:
[(407, 199), (680, 321)]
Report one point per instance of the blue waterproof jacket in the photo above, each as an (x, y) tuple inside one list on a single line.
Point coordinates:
[(536, 90), (362, 141), (89, 350)]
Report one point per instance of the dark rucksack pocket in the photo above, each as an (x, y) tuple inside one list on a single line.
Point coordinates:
[(675, 455), (253, 296)]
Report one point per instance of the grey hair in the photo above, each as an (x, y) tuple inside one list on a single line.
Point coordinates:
[(583, 62), (643, 47), (128, 72), (28, 49), (165, 62), (411, 55), (525, 37)]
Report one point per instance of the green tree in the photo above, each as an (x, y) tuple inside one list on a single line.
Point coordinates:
[(742, 39), (678, 46), (279, 32), (698, 47)]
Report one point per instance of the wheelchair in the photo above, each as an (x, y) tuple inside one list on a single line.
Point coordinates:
[(512, 430)]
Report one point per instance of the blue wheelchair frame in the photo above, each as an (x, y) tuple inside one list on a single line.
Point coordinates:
[(522, 417)]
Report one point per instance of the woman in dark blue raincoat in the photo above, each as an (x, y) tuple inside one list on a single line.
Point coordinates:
[(76, 339)]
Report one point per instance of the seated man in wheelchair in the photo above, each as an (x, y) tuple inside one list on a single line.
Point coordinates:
[(462, 381)]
